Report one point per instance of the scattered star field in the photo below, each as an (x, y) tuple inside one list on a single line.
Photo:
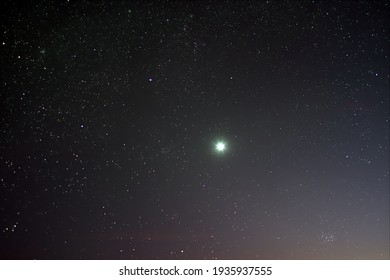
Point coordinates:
[(194, 130)]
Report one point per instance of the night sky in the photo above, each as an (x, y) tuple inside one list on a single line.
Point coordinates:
[(111, 114)]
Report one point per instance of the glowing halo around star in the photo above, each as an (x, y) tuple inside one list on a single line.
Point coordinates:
[(220, 147)]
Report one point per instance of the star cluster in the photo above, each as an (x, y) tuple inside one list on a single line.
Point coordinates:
[(110, 110)]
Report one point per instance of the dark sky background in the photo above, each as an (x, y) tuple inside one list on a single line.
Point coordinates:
[(110, 112)]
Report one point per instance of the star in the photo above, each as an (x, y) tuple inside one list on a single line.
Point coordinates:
[(220, 146)]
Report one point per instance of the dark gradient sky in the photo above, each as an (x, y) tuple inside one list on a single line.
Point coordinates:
[(110, 112)]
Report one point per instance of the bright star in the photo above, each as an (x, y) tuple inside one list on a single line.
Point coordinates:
[(220, 146)]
